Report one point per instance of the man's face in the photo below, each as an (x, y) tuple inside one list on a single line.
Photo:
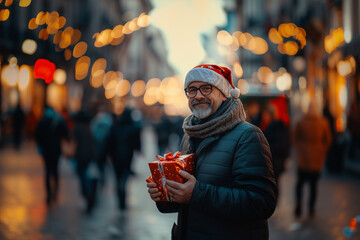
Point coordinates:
[(203, 106)]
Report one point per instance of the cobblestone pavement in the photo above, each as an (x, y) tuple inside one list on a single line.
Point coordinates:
[(25, 216)]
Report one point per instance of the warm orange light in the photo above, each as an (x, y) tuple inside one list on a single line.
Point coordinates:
[(243, 85), (109, 77), (275, 36), (122, 88), (224, 38), (8, 3), (242, 40), (67, 54), (104, 38), (238, 70), (334, 39), (43, 34), (117, 41), (150, 96), (41, 18), (44, 69), (250, 42), (57, 37), (344, 68), (66, 37), (4, 14), (79, 49), (9, 74), (99, 64), (60, 76), (32, 24), (29, 46), (261, 46), (76, 36), (24, 77), (287, 29), (291, 47), (97, 79), (153, 82), (126, 29), (82, 67), (144, 20), (138, 88), (265, 74), (117, 31), (62, 21)]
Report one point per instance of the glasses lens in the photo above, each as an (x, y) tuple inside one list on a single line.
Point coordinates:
[(191, 91), (206, 89)]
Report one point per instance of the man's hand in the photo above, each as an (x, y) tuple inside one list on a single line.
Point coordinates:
[(181, 192), (153, 191)]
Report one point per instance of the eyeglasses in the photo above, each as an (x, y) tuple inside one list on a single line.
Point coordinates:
[(204, 89)]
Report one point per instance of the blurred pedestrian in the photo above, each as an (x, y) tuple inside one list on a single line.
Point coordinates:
[(49, 133), (278, 136), (123, 141), (86, 168), (100, 129), (335, 154), (312, 138), (18, 124), (253, 113), (163, 130), (353, 126), (233, 191)]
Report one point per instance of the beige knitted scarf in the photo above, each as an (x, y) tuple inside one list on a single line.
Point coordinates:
[(229, 115)]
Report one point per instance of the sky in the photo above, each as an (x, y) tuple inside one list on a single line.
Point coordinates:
[(182, 23)]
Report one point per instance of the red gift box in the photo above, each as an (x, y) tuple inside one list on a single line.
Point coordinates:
[(167, 168)]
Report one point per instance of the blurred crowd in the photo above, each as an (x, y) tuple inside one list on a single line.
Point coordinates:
[(94, 140)]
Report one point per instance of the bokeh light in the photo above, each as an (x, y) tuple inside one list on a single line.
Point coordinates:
[(29, 46)]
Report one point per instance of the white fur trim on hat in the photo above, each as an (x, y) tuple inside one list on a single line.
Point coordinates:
[(208, 76), (235, 92)]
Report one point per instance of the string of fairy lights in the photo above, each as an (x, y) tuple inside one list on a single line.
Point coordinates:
[(289, 39)]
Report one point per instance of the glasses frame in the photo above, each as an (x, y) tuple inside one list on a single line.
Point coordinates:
[(198, 89)]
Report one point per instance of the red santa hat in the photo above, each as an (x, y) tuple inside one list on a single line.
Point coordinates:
[(220, 77)]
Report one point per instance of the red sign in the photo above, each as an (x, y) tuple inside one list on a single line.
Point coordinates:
[(44, 69)]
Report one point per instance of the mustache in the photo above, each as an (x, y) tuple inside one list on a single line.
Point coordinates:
[(195, 102)]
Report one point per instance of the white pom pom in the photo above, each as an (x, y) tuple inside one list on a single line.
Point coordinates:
[(235, 92)]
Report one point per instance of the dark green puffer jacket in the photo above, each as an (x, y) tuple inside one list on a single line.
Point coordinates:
[(235, 192)]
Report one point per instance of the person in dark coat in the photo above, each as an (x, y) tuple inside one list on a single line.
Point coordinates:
[(84, 158), (163, 130), (124, 139), (18, 124), (278, 136), (100, 129), (233, 191), (49, 133)]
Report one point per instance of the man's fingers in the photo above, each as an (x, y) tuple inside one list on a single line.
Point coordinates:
[(151, 185), (173, 184), (186, 175), (172, 190), (153, 190), (155, 195)]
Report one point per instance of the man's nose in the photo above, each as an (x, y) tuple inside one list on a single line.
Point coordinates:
[(198, 94)]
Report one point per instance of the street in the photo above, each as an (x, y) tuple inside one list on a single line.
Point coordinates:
[(24, 214)]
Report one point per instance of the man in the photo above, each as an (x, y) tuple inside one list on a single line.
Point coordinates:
[(312, 139), (49, 133), (233, 191), (278, 136)]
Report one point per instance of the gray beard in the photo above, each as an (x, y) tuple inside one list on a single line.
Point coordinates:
[(201, 113)]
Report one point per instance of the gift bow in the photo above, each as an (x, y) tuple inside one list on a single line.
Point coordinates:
[(169, 156)]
